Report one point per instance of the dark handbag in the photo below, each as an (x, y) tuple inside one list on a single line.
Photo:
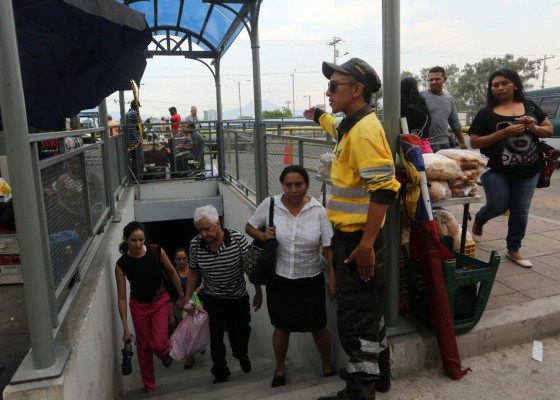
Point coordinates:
[(260, 260), (167, 282), (550, 156)]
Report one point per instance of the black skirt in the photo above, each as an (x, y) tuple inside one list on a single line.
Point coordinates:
[(297, 305)]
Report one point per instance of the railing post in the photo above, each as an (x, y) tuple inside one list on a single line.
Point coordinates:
[(106, 151), (261, 175), (391, 106), (46, 359)]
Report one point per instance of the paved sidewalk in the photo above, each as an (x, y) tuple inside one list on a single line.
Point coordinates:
[(508, 374), (514, 284)]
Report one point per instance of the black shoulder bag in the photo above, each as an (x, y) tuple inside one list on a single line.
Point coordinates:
[(167, 282), (549, 156), (260, 260)]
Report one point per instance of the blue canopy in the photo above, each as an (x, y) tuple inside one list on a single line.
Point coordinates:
[(211, 25)]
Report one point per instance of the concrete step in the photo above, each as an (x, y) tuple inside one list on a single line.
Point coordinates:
[(417, 348), (196, 383)]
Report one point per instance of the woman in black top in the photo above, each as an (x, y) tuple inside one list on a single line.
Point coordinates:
[(415, 110), (507, 131), (141, 266)]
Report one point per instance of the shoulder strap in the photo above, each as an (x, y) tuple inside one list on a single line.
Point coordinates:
[(271, 212), (425, 123)]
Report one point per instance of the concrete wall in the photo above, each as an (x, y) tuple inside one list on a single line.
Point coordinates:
[(92, 331)]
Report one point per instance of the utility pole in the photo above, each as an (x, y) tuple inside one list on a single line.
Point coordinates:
[(288, 102), (293, 93), (239, 91), (333, 43), (544, 69), (308, 98)]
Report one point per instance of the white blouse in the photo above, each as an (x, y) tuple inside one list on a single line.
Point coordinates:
[(300, 238)]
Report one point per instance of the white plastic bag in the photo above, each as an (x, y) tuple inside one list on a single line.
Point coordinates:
[(191, 336)]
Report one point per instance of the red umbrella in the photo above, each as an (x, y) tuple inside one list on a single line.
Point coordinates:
[(426, 247)]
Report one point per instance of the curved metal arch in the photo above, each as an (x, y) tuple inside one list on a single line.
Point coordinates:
[(188, 34)]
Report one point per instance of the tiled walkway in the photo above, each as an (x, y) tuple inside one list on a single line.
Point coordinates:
[(541, 245)]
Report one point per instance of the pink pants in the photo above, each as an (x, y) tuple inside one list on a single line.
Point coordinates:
[(150, 324)]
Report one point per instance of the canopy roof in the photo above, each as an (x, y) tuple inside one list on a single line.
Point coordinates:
[(211, 25)]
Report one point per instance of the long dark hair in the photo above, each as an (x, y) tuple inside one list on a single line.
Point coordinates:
[(128, 230), (518, 93), (410, 94)]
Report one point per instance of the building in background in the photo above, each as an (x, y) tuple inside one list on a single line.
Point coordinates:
[(210, 115)]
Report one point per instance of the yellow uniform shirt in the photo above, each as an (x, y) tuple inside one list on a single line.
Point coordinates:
[(362, 165)]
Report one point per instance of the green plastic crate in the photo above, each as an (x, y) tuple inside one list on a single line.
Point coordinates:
[(460, 271)]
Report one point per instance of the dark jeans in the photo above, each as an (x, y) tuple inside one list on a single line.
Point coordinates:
[(439, 146), (360, 315), (508, 193), (233, 315)]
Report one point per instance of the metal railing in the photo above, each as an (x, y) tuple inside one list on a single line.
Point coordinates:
[(81, 174), (286, 143), (79, 186)]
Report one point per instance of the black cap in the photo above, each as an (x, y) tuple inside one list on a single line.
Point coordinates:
[(134, 103), (359, 69)]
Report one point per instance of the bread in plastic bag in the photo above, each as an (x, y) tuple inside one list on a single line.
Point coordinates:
[(447, 225), (325, 164), (439, 167), (439, 190)]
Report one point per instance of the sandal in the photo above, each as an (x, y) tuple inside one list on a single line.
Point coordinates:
[(522, 262), (476, 237)]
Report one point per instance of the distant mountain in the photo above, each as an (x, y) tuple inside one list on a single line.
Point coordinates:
[(248, 110)]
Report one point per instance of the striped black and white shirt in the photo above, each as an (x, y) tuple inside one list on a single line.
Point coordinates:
[(222, 272)]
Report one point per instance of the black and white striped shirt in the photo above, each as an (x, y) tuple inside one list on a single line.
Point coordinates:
[(222, 272)]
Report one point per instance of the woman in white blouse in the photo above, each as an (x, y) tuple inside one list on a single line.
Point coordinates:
[(296, 296)]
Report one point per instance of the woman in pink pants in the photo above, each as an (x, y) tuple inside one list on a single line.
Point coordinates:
[(148, 299)]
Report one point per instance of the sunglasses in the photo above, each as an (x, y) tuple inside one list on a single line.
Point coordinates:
[(332, 85)]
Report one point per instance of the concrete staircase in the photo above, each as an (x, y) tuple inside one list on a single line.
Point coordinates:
[(196, 383)]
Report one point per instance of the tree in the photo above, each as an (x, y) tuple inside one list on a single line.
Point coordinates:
[(277, 113), (408, 74), (470, 89)]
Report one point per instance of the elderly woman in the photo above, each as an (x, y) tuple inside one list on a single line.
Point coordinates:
[(507, 130), (296, 296)]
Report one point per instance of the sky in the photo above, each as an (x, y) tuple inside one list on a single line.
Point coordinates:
[(294, 37)]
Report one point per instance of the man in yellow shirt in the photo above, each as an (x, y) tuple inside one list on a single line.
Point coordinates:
[(364, 184)]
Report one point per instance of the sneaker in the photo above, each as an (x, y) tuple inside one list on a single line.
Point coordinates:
[(245, 363), (126, 366), (167, 361)]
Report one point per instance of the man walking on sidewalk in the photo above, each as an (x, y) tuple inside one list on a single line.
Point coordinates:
[(442, 111)]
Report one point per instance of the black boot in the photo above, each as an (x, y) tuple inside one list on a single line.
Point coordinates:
[(384, 383)]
